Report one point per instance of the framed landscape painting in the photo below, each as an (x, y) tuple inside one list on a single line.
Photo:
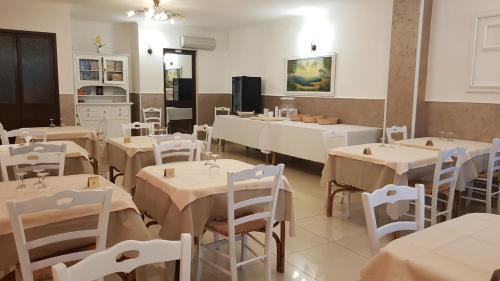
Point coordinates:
[(311, 76)]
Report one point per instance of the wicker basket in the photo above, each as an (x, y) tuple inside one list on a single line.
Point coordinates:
[(298, 117), (328, 121), (311, 119)]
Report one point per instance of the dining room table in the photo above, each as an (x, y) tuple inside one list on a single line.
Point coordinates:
[(372, 166), (84, 137), (197, 193), (76, 161), (128, 158), (125, 222), (461, 249)]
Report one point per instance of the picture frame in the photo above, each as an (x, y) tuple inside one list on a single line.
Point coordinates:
[(170, 75), (311, 76)]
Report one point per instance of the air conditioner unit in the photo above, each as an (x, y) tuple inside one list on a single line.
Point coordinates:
[(191, 42)]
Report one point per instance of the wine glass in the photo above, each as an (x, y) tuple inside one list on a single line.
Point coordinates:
[(382, 142), (41, 177), (37, 172), (450, 136), (214, 162), (20, 178), (52, 125), (62, 123)]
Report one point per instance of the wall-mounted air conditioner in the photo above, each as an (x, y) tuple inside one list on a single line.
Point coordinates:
[(199, 43)]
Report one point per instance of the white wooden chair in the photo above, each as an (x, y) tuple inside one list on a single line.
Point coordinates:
[(175, 148), (392, 194), (23, 133), (208, 131), (396, 130), (37, 147), (148, 252), (488, 181), (442, 188), (152, 115), (239, 225), (59, 201), (34, 160), (137, 126), (225, 111)]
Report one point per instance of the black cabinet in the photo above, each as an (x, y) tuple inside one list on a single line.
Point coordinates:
[(247, 94)]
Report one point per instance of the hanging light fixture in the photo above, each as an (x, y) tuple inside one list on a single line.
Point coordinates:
[(157, 13)]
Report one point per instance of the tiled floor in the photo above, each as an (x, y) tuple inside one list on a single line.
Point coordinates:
[(323, 248)]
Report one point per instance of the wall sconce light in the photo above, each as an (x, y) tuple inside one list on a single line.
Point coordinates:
[(150, 51), (313, 47)]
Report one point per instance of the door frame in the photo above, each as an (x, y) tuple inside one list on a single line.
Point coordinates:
[(192, 53), (19, 78)]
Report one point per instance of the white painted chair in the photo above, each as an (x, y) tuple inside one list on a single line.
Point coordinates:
[(225, 111), (208, 131), (37, 147), (28, 162), (175, 148), (34, 134), (104, 263), (152, 115), (334, 139), (239, 225), (392, 194), (137, 126), (442, 188), (59, 201), (396, 130), (488, 181)]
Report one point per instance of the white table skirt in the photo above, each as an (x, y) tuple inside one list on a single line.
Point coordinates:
[(178, 113), (301, 140)]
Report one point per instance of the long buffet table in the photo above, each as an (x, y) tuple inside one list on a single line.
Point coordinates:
[(297, 139)]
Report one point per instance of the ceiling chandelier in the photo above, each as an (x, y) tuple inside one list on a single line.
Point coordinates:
[(156, 12)]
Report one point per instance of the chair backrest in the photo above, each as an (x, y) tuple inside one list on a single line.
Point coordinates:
[(208, 131), (333, 139), (175, 148), (32, 161), (493, 162), (152, 115), (223, 109), (396, 130), (266, 203), (137, 126), (392, 194), (446, 174), (60, 201), (105, 263), (175, 136), (23, 133)]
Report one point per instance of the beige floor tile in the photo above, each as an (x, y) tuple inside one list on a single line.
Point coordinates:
[(332, 228), (329, 263)]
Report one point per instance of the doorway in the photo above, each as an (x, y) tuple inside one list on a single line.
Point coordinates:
[(29, 96), (179, 77)]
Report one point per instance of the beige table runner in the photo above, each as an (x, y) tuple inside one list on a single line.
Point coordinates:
[(196, 194), (463, 249), (120, 200), (398, 158), (195, 180), (77, 158), (473, 148), (84, 137)]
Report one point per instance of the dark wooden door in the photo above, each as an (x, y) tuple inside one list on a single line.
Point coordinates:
[(30, 96)]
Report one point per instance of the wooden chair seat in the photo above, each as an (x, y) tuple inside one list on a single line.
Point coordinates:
[(222, 227)]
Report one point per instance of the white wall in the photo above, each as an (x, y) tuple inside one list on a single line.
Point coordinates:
[(450, 54), (33, 15), (358, 31), (210, 65), (119, 38)]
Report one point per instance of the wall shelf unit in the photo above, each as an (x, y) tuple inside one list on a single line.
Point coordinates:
[(102, 91)]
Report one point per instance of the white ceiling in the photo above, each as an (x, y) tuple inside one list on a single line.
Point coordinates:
[(223, 14)]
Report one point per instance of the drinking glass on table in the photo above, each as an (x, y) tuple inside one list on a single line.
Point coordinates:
[(41, 177), (382, 142), (52, 125), (20, 178), (450, 136)]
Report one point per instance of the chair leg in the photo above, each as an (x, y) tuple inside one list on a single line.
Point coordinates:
[(348, 204), (200, 262), (244, 241)]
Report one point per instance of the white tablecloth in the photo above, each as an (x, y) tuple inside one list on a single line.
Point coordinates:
[(301, 140), (177, 113)]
